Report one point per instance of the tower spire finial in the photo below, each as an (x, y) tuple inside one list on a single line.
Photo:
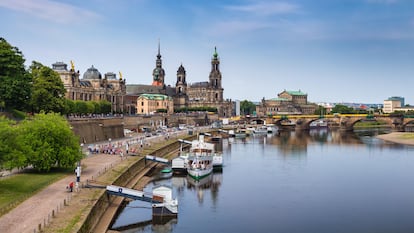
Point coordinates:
[(215, 52), (159, 46)]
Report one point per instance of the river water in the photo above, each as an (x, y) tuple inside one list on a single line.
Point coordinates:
[(314, 182)]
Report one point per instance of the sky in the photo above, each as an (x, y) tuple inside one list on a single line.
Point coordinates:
[(333, 50)]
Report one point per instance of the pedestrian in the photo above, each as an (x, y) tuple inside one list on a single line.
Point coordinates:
[(78, 173), (71, 186)]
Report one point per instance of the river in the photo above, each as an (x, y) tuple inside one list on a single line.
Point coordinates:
[(314, 182)]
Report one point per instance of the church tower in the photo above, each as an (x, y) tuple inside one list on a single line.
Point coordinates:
[(181, 84), (158, 73), (215, 77)]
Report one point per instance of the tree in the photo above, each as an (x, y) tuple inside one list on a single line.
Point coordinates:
[(48, 92), (11, 155), (320, 111), (342, 109), (49, 142), (247, 107), (15, 88)]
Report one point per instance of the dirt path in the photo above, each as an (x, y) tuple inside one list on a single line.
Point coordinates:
[(38, 209)]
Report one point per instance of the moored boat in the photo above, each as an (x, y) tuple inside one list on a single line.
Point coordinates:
[(180, 164), (200, 159)]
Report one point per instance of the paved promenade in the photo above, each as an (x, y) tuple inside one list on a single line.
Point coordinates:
[(38, 209)]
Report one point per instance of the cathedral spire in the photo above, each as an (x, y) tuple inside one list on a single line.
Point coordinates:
[(159, 53), (158, 73)]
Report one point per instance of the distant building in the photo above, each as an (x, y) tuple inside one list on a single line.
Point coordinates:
[(236, 107), (184, 95), (92, 86), (151, 103), (392, 104), (287, 103)]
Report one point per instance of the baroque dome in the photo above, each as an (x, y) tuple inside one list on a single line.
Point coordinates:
[(92, 73)]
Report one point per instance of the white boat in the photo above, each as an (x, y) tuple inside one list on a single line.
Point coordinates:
[(260, 130), (318, 124), (271, 128), (200, 159), (181, 164)]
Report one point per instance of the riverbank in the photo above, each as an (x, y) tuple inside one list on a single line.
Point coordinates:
[(406, 138)]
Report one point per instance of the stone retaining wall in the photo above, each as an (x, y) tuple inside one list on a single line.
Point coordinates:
[(123, 179)]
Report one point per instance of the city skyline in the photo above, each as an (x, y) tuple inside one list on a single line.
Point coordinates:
[(333, 50)]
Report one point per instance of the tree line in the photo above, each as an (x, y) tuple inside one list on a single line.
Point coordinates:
[(38, 88), (43, 141)]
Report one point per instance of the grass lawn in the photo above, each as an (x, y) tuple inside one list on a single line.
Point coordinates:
[(17, 188), (407, 136)]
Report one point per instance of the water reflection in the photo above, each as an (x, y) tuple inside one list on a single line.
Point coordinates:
[(311, 181), (130, 221)]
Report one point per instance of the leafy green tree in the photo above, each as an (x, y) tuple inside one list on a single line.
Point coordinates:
[(342, 109), (105, 106), (69, 106), (11, 155), (80, 107), (48, 93), (247, 107), (15, 81), (49, 142), (320, 111)]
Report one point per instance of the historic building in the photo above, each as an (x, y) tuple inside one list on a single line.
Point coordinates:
[(92, 86), (199, 94), (287, 103), (150, 103)]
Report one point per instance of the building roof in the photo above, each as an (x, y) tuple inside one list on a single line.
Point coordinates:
[(155, 97), (296, 92), (138, 89), (199, 84), (92, 73), (279, 99)]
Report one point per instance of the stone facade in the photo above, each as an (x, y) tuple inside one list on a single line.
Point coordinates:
[(200, 94), (287, 103), (92, 86)]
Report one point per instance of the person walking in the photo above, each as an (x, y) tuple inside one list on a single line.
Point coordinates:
[(71, 186)]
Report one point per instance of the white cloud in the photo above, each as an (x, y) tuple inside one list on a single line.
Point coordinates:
[(266, 8), (50, 10)]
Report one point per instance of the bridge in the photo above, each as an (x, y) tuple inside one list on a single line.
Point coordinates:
[(345, 122)]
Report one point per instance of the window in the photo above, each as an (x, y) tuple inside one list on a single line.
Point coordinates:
[(142, 103)]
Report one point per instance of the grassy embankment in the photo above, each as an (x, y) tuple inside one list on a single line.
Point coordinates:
[(370, 124), (17, 188)]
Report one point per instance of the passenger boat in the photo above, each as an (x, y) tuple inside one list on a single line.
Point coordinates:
[(181, 163), (260, 130), (200, 159), (318, 124)]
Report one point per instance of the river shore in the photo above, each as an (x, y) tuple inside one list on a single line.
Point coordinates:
[(406, 138)]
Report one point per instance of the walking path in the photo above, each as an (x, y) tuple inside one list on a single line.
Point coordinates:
[(39, 209)]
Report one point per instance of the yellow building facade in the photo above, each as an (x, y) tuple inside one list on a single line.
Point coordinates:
[(151, 103)]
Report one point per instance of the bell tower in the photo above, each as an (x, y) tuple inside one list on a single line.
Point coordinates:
[(181, 84), (215, 74), (158, 74)]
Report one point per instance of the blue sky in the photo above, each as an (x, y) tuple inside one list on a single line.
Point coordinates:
[(333, 50)]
